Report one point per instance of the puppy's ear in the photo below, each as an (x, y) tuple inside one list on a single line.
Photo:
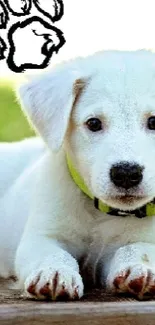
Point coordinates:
[(48, 101)]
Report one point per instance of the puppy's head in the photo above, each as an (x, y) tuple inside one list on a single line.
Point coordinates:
[(102, 110)]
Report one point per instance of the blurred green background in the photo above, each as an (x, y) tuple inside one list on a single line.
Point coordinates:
[(13, 124)]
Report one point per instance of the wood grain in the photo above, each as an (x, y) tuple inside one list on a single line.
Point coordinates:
[(14, 310), (124, 313)]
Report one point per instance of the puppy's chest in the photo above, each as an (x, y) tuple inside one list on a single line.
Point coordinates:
[(109, 229)]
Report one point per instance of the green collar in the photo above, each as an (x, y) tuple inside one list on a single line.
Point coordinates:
[(146, 210)]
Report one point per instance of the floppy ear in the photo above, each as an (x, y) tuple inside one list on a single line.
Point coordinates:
[(48, 101)]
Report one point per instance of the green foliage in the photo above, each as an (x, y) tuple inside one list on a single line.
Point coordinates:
[(13, 124)]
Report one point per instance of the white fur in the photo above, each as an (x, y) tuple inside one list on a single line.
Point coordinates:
[(47, 223)]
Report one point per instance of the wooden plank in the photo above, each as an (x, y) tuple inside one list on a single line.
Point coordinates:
[(96, 308), (125, 313)]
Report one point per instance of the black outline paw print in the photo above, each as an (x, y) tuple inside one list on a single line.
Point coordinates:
[(48, 48), (3, 48), (57, 6), (25, 7), (4, 16), (52, 36)]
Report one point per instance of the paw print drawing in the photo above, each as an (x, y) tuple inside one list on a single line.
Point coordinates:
[(4, 17), (19, 7), (3, 48), (52, 9), (41, 38)]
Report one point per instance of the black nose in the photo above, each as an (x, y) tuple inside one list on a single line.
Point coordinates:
[(126, 175)]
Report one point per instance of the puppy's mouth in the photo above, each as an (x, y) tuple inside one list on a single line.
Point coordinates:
[(128, 198), (127, 201)]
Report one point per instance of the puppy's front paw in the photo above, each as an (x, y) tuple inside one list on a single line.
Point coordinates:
[(54, 284), (137, 279)]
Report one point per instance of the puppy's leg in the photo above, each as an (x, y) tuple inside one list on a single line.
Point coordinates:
[(55, 235), (132, 270), (46, 270)]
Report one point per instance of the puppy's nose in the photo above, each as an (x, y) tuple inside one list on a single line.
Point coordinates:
[(126, 175)]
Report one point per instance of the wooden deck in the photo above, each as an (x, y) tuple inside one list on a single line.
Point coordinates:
[(95, 309)]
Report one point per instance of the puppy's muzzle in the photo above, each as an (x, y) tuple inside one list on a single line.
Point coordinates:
[(126, 175)]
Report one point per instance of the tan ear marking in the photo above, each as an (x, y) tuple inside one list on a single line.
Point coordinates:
[(78, 86)]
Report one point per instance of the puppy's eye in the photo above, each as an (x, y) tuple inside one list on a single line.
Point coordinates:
[(94, 124), (151, 123)]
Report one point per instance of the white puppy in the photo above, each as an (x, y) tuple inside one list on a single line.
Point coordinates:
[(97, 118)]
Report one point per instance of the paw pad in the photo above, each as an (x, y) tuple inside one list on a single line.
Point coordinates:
[(138, 280)]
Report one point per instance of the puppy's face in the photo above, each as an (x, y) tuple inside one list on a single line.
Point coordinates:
[(103, 109), (111, 137)]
